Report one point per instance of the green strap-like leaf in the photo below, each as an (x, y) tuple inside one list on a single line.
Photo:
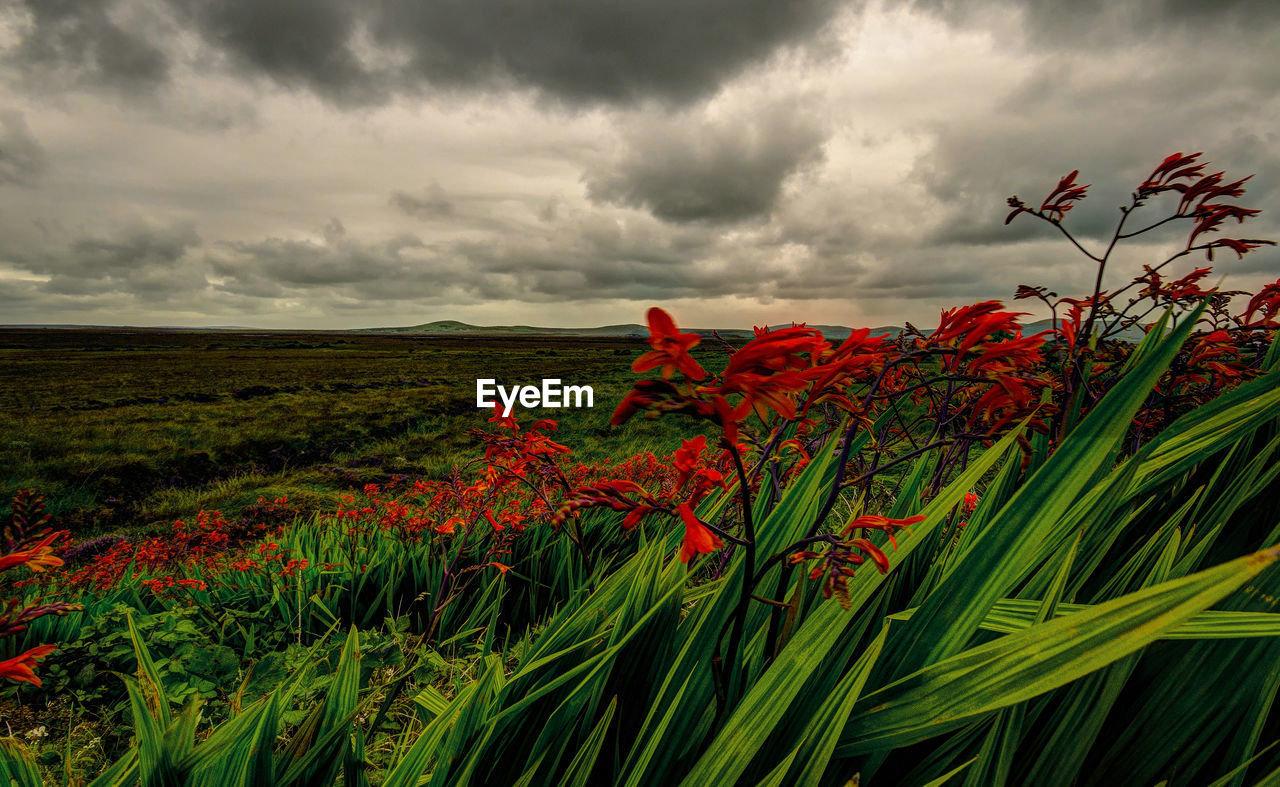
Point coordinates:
[(1019, 666), (584, 762), (1015, 614), (767, 701), (17, 768), (999, 556)]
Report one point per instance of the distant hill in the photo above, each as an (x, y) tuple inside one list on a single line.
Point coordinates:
[(186, 328), (1133, 335), (834, 332), (453, 326)]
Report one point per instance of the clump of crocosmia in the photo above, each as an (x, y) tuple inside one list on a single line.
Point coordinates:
[(28, 543)]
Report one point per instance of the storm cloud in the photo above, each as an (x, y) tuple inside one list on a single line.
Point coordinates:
[(151, 264), (686, 169), (431, 203), (22, 159), (323, 163), (1101, 25), (86, 41), (573, 51)]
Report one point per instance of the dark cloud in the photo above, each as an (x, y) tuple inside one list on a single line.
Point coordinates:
[(712, 152), (584, 51), (1112, 89), (275, 267), (22, 159), (78, 42), (945, 274), (1101, 24), (152, 263), (697, 170), (431, 204), (334, 232), (1114, 119), (578, 52), (597, 257), (296, 43), (17, 294), (549, 210), (583, 258)]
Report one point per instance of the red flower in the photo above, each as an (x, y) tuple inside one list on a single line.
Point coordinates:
[(1188, 286), (874, 522), (504, 421), (1018, 353), (1174, 167), (686, 458), (659, 397), (777, 350), (1211, 218), (1056, 205), (1207, 188), (36, 558), (1002, 402), (537, 445), (1240, 246), (974, 323), (1266, 305), (634, 516), (698, 538), (704, 478), (760, 392), (1071, 325), (670, 348), (20, 668), (605, 494)]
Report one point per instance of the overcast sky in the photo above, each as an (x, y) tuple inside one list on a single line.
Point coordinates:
[(331, 163)]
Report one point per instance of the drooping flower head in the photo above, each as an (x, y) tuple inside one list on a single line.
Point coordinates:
[(686, 458), (21, 668), (37, 557), (698, 538), (670, 348)]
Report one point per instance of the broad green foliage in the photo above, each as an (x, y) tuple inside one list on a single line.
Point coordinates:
[(1100, 613), (128, 428), (970, 557)]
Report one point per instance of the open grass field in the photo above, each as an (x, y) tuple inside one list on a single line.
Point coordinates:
[(131, 429), (971, 554), (980, 602)]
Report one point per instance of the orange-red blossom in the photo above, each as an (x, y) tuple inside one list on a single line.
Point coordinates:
[(670, 348), (698, 538), (36, 558), (21, 668)]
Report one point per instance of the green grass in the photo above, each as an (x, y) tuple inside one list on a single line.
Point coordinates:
[(131, 429), (1106, 615)]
